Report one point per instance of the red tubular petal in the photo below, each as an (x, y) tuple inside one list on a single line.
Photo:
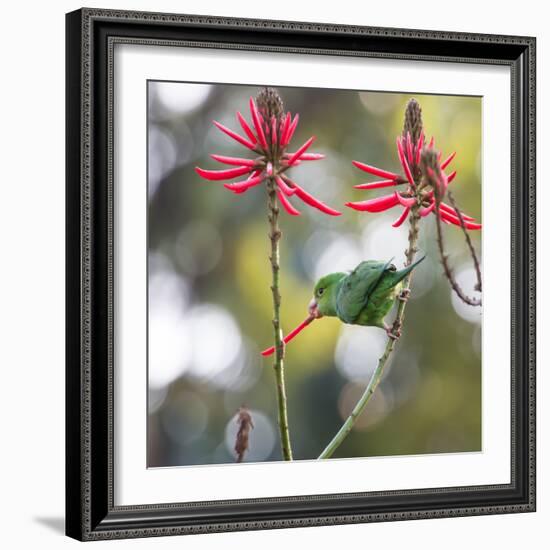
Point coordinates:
[(247, 130), (288, 191), (376, 184), (222, 174), (242, 186), (427, 210), (419, 146), (311, 200), (451, 210), (257, 123), (291, 130), (375, 171), (284, 131), (310, 156), (432, 143), (454, 220), (448, 160), (296, 156), (404, 162), (234, 161), (234, 135), (379, 204), (286, 204), (399, 221), (273, 129), (405, 201), (451, 177), (290, 335), (409, 148)]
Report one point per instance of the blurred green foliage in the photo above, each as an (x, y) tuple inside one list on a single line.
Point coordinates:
[(208, 248)]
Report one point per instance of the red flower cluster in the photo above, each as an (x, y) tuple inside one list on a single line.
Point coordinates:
[(410, 154), (269, 139)]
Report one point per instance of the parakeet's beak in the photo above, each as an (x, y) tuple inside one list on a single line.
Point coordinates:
[(313, 309)]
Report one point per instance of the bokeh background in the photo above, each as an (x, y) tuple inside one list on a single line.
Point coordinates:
[(209, 277)]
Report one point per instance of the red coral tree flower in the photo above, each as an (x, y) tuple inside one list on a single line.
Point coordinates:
[(268, 136), (417, 186)]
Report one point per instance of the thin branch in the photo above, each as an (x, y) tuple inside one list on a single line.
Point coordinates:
[(468, 240), (275, 236), (382, 362), (445, 258)]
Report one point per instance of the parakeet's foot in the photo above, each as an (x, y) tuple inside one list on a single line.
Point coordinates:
[(404, 295), (391, 334)]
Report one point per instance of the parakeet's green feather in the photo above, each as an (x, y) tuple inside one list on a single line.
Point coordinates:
[(364, 296), (356, 289)]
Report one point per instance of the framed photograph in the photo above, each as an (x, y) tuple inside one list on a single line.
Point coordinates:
[(300, 274)]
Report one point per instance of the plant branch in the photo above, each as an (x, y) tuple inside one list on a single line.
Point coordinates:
[(445, 258), (468, 240), (275, 236), (390, 345)]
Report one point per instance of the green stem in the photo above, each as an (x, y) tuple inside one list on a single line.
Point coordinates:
[(383, 361), (278, 366)]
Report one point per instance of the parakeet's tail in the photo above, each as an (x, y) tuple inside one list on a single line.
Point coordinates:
[(402, 273)]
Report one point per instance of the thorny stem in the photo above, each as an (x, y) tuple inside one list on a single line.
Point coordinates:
[(468, 241), (445, 258), (275, 236), (383, 361), (412, 127)]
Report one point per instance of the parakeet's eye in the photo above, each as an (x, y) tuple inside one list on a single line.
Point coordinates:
[(320, 291), (392, 268)]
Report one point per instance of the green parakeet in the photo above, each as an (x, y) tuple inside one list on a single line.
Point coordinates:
[(363, 297)]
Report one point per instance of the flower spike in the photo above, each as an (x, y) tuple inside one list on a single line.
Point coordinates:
[(422, 182), (267, 136)]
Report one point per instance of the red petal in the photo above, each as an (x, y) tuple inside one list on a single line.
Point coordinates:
[(234, 135), (419, 146), (287, 206), (290, 335), (405, 201), (404, 162), (296, 156), (288, 191), (257, 124), (291, 130), (451, 177), (222, 174), (310, 156), (378, 204), (244, 125), (451, 210), (427, 210), (284, 131), (432, 143), (273, 129), (311, 200), (448, 160), (409, 148), (235, 161), (376, 184), (242, 186), (454, 220), (375, 171), (399, 221)]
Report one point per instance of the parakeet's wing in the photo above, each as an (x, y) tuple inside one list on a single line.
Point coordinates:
[(356, 288)]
